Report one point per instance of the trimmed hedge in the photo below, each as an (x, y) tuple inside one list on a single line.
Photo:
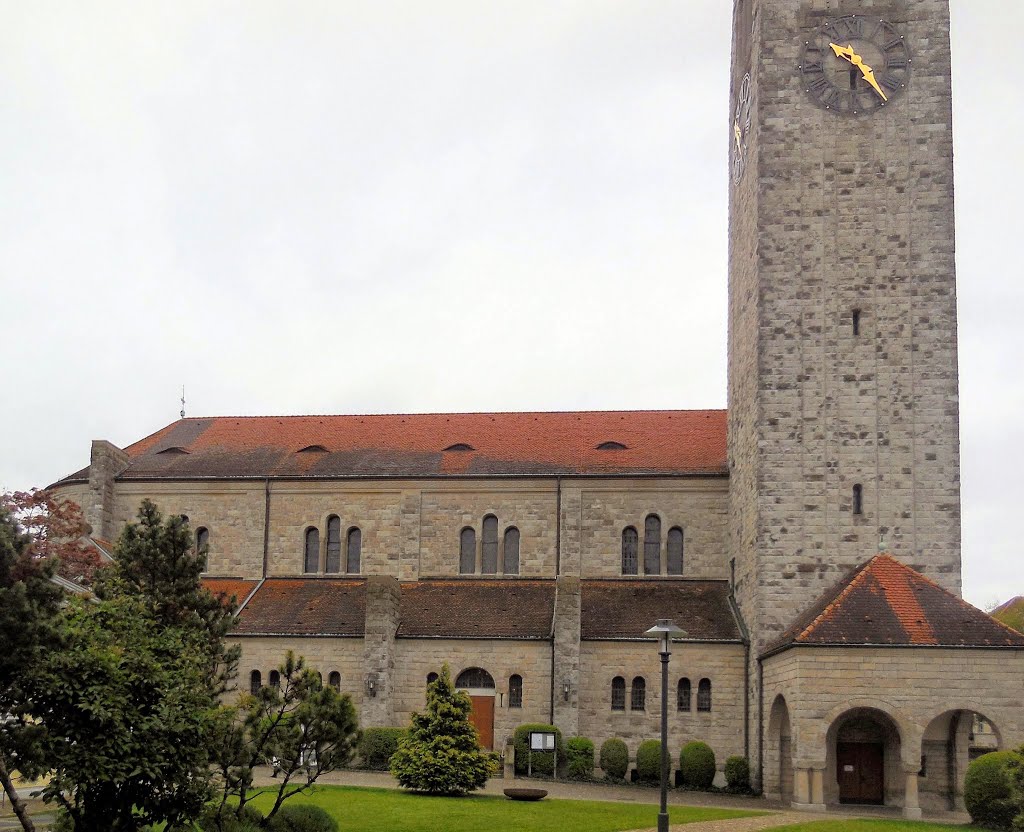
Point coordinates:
[(737, 774), (378, 744), (988, 789), (542, 760), (303, 817), (614, 759), (697, 764), (252, 819), (579, 752), (648, 761)]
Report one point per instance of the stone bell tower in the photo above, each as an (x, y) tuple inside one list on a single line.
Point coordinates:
[(843, 389)]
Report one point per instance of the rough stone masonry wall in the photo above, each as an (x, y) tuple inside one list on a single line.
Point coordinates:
[(721, 728)]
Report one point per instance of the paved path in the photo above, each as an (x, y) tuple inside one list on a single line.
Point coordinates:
[(741, 824)]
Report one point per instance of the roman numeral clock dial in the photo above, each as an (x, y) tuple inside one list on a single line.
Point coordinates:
[(855, 65)]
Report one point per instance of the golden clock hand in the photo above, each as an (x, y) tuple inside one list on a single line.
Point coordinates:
[(848, 53), (739, 136)]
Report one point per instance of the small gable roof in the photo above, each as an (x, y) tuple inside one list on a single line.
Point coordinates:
[(886, 603), (305, 607), (477, 608)]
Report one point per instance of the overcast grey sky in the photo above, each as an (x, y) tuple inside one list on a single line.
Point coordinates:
[(379, 206)]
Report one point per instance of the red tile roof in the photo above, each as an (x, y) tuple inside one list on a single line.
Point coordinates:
[(885, 602), (626, 609), (477, 608), (305, 606), (228, 588), (657, 442)]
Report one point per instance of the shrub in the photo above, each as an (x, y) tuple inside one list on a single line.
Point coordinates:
[(614, 759), (303, 817), (737, 774), (211, 821), (441, 754), (378, 744), (579, 752), (697, 764), (648, 761), (988, 791), (542, 761)]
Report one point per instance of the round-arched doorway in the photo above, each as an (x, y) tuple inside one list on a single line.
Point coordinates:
[(479, 684), (864, 759)]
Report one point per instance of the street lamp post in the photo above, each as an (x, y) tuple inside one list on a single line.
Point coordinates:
[(665, 630)]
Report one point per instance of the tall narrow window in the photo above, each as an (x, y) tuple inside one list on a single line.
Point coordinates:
[(515, 691), (275, 679), (333, 544), (652, 545), (312, 559), (675, 551), (858, 499), (255, 682), (511, 562), (856, 322), (489, 547), (683, 695), (618, 694), (629, 547), (334, 680), (467, 552), (203, 546), (355, 549), (704, 695), (638, 697), (431, 678)]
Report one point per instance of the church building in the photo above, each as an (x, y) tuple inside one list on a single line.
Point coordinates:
[(807, 540)]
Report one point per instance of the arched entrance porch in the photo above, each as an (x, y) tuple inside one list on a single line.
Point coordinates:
[(864, 760), (951, 740), (479, 684), (778, 769)]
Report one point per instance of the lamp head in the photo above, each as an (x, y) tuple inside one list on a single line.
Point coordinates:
[(665, 630)]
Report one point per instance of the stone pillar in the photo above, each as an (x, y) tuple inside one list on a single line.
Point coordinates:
[(801, 788), (567, 655), (383, 601), (911, 803), (105, 463), (809, 789)]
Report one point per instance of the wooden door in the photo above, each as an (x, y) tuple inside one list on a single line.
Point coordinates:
[(482, 717), (861, 772)]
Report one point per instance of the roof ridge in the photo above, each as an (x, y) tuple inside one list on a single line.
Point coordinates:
[(855, 581), (442, 413)]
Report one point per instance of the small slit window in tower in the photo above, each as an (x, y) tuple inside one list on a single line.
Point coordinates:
[(856, 322), (618, 694), (858, 499)]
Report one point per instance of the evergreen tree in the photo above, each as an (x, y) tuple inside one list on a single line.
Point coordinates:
[(442, 753)]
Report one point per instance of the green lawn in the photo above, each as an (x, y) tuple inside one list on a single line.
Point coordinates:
[(363, 810), (880, 825)]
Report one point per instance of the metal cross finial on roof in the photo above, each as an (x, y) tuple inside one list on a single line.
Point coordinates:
[(183, 401), (882, 548)]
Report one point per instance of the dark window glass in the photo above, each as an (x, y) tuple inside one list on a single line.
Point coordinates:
[(475, 677), (431, 678), (320, 678), (333, 545), (675, 551), (334, 680), (638, 696), (652, 545), (275, 679), (856, 322), (629, 547), (203, 546), (489, 547), (255, 682), (704, 695), (467, 552), (683, 695), (618, 694), (355, 548), (511, 564), (515, 691), (858, 499), (312, 559)]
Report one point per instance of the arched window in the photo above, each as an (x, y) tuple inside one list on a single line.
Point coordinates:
[(489, 547), (638, 696), (311, 562), (333, 544), (275, 679), (515, 691), (334, 680), (618, 694), (431, 678), (858, 499), (511, 563), (629, 546), (704, 695), (475, 677), (652, 545), (255, 682), (203, 546), (675, 551), (355, 550), (683, 695)]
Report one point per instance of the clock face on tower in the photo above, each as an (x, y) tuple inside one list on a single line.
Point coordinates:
[(741, 128), (855, 65)]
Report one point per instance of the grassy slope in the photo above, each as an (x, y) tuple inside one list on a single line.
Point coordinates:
[(359, 810), (1013, 616)]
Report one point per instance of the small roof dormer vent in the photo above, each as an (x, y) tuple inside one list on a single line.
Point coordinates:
[(313, 449), (174, 451), (459, 446), (612, 446)]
